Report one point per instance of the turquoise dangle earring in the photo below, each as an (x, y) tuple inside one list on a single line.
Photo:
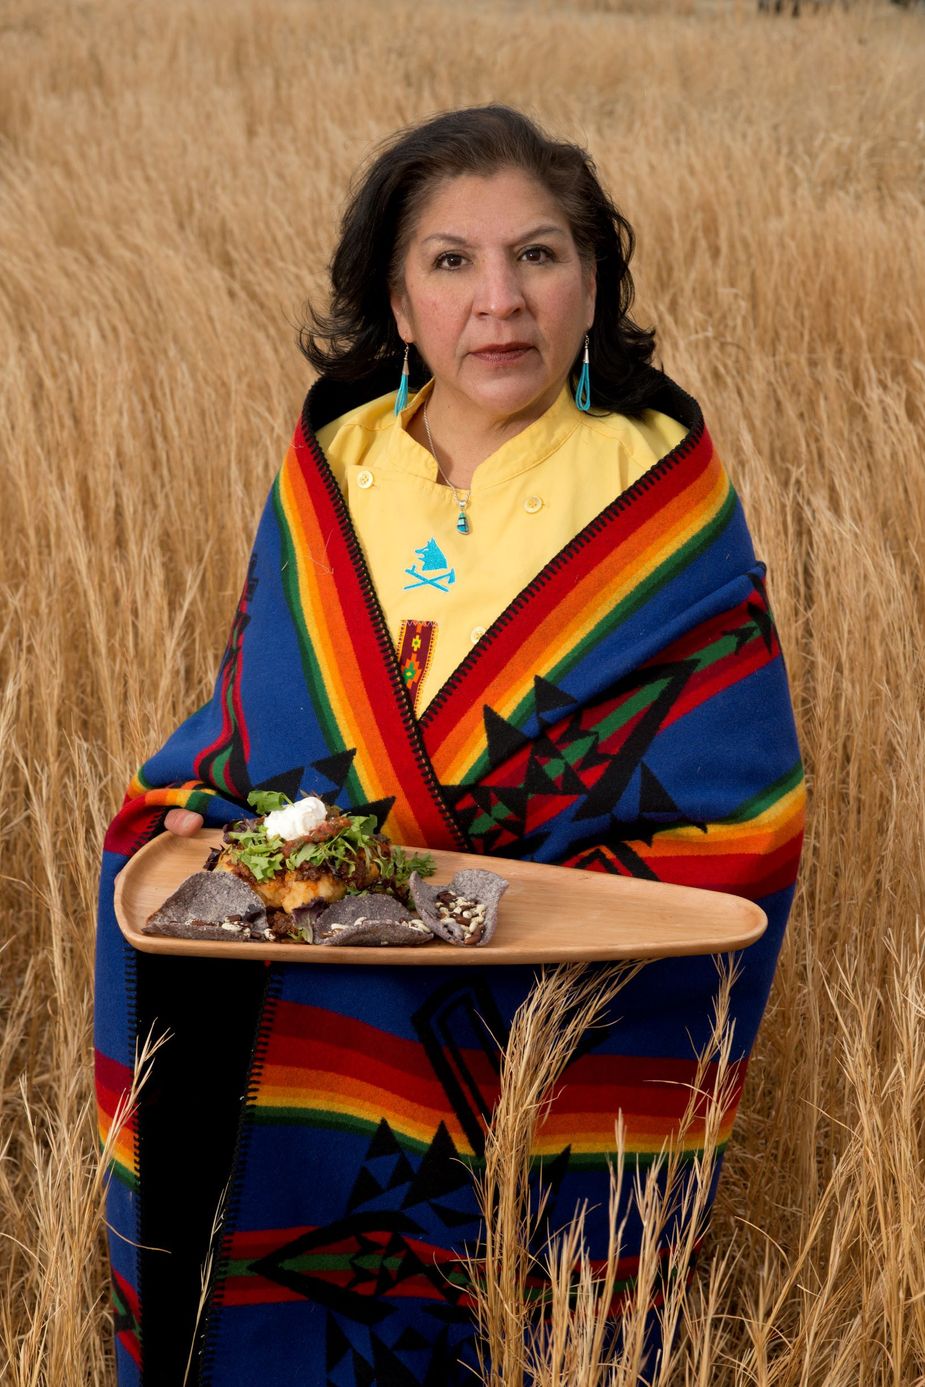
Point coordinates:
[(583, 393), (401, 399)]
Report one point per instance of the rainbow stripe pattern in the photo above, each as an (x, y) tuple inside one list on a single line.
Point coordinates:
[(333, 1072), (628, 713)]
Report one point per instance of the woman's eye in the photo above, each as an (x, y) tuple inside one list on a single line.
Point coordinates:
[(537, 255), (448, 260)]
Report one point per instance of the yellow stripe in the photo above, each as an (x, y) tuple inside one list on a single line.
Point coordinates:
[(123, 1150), (420, 1129), (773, 826), (175, 795)]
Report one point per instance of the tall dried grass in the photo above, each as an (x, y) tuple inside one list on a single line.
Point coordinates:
[(170, 178), (565, 1335)]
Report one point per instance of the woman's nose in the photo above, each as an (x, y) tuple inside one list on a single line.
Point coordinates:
[(499, 293)]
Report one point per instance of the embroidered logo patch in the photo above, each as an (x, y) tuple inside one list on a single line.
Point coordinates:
[(415, 648), (431, 569)]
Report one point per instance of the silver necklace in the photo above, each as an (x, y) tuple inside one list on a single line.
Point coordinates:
[(462, 497)]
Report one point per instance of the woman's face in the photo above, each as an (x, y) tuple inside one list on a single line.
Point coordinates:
[(494, 295)]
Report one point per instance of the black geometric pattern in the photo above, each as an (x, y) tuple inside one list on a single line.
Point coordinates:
[(336, 768), (401, 1199), (583, 762), (287, 783), (596, 763), (459, 1018), (359, 1269)]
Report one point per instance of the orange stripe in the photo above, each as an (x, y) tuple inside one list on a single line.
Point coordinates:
[(773, 827), (123, 1149), (342, 679)]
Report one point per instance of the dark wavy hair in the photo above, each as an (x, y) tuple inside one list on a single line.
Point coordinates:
[(358, 334)]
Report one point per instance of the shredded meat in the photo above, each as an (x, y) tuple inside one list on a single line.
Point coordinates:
[(318, 835)]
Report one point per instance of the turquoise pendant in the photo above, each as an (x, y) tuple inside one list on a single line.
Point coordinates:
[(462, 523)]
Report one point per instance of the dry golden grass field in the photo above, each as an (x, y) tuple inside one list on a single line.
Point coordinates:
[(170, 181)]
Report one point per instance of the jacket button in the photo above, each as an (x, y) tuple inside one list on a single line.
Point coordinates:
[(365, 479), (476, 634), (533, 504)]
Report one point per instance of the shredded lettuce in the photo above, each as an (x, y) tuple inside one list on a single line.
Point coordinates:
[(266, 801), (261, 852)]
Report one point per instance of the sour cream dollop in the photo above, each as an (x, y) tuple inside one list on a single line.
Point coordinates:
[(295, 820)]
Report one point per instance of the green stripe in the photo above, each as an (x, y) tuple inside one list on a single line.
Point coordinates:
[(123, 1174), (635, 1160), (200, 800), (219, 767), (333, 1122), (765, 798)]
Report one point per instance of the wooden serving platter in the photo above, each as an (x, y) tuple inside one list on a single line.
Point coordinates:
[(547, 915)]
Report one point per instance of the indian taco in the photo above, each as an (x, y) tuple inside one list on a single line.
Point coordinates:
[(304, 872), (297, 855)]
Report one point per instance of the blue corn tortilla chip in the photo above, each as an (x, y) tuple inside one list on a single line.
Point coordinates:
[(369, 921), (464, 912), (211, 905)]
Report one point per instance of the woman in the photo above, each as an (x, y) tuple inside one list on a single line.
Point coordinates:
[(516, 612)]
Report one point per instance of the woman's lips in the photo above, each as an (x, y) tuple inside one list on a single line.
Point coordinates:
[(502, 356)]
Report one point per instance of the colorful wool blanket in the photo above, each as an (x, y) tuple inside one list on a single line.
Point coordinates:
[(627, 713)]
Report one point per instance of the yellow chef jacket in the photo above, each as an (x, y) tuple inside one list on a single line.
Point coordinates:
[(440, 590)]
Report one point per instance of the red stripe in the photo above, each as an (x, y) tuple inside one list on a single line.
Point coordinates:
[(732, 872), (667, 1099), (257, 1290), (253, 1290), (133, 826), (315, 1041), (382, 694), (113, 1082), (223, 734), (128, 1338), (128, 1292), (129, 1342), (239, 707)]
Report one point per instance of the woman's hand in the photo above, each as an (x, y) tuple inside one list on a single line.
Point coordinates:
[(183, 822)]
